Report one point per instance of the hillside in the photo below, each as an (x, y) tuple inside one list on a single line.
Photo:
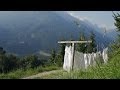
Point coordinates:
[(105, 71), (111, 70), (29, 32)]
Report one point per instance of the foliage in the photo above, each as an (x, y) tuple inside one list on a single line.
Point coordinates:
[(13, 67), (117, 20), (21, 73), (56, 59), (10, 62), (117, 24), (87, 47), (81, 47), (2, 52), (31, 61), (111, 70), (62, 51), (59, 59), (52, 58), (91, 47), (7, 63)]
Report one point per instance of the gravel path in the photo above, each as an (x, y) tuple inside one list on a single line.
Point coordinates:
[(42, 74)]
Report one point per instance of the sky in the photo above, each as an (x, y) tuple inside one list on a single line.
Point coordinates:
[(101, 18)]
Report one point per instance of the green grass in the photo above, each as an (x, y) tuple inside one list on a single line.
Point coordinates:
[(111, 70), (20, 73)]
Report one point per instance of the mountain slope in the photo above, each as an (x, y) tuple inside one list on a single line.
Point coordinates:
[(111, 70), (29, 32)]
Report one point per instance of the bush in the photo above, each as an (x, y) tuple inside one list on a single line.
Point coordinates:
[(8, 63), (30, 62)]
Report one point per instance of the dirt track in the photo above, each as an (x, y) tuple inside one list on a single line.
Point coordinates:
[(42, 74)]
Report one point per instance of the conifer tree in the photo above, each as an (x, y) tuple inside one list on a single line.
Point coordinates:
[(117, 24), (53, 55), (92, 47), (81, 47)]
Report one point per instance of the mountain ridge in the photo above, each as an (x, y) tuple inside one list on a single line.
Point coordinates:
[(30, 32)]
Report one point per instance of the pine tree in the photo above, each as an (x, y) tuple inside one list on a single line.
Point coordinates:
[(81, 47), (58, 60), (62, 51), (53, 55), (2, 52), (117, 20), (71, 39), (117, 24), (92, 47)]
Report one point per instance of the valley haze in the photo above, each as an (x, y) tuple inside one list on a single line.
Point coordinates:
[(37, 32)]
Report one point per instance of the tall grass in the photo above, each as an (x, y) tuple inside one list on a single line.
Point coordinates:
[(111, 70), (20, 73)]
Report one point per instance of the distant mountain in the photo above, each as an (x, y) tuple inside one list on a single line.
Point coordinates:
[(27, 32), (112, 34)]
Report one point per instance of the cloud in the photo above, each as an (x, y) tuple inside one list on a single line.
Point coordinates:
[(83, 18), (106, 27), (72, 14), (78, 17)]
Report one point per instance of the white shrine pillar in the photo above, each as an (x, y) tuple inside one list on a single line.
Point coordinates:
[(73, 48)]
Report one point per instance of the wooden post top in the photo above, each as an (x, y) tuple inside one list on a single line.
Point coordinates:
[(74, 41)]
